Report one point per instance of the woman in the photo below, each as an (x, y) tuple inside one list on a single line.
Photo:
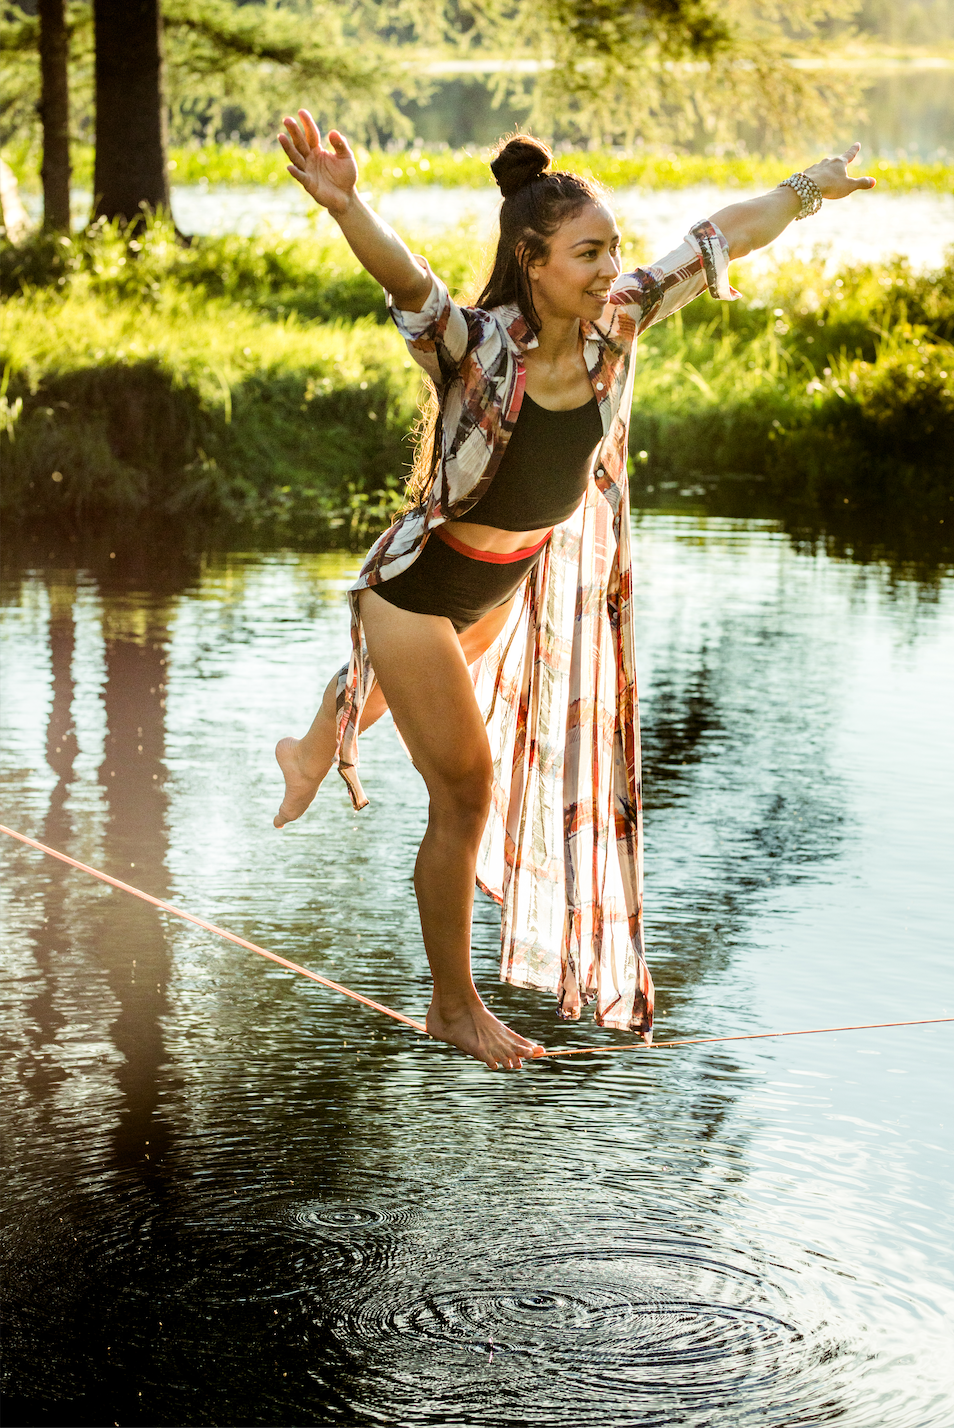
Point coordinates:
[(494, 617)]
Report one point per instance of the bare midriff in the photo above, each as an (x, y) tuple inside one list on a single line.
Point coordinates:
[(490, 538)]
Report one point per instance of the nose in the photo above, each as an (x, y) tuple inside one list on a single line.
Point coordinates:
[(611, 267)]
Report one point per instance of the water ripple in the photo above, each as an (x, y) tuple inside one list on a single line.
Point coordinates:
[(347, 1218), (562, 1331)]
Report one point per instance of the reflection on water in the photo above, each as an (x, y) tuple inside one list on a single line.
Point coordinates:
[(236, 1199), (869, 228), (908, 110)]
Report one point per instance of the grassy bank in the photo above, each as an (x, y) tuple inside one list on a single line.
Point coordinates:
[(234, 164), (834, 390), (259, 380)]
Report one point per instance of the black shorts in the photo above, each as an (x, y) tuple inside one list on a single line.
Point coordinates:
[(448, 578)]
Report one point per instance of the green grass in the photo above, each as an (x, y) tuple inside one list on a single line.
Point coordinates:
[(142, 390), (837, 389), (233, 164), (258, 379)]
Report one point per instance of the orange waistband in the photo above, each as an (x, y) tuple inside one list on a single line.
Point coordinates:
[(492, 557)]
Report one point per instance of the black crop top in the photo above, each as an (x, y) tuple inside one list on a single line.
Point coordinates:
[(543, 473)]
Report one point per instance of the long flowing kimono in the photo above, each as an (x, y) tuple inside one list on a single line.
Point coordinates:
[(562, 850)]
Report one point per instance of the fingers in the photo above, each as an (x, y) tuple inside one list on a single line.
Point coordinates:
[(851, 153), (339, 143), (297, 172), (291, 151), (296, 135), (867, 182), (312, 132)]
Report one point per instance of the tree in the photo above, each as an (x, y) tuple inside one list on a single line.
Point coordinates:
[(131, 172), (706, 73), (662, 71), (55, 114)]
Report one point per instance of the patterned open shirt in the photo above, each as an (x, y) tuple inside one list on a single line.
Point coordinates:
[(562, 850)]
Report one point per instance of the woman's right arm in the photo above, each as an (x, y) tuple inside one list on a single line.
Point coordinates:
[(330, 175)]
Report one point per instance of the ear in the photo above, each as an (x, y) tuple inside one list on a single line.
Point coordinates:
[(529, 269)]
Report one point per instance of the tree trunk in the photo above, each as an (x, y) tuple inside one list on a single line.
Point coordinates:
[(131, 175), (55, 114)]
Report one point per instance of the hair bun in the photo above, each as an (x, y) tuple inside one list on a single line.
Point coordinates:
[(521, 160)]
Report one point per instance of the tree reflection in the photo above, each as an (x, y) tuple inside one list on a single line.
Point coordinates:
[(51, 935), (137, 581), (132, 942)]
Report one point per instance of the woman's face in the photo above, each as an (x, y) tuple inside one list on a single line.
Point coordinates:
[(575, 280)]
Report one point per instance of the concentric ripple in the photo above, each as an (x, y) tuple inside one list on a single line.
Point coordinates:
[(338, 1217), (563, 1331)]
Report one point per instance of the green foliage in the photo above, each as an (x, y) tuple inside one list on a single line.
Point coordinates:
[(257, 379), (309, 277), (381, 172), (836, 388), (678, 71), (664, 71), (228, 67), (455, 168), (130, 387)]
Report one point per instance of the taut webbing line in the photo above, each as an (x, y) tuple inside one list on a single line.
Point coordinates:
[(751, 1036), (409, 1021), (219, 931)]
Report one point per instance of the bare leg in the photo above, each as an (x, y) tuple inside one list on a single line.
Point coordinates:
[(423, 672), (305, 762)]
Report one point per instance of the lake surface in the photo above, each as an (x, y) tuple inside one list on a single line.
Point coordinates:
[(864, 228), (907, 110), (234, 1197)]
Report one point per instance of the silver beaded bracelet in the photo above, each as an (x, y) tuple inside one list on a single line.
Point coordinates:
[(807, 190)]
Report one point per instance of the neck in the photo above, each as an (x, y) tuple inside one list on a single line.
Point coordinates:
[(558, 339)]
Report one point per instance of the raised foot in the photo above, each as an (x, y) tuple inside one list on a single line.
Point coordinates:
[(300, 788), (477, 1032)]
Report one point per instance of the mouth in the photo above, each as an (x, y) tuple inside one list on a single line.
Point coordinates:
[(598, 297)]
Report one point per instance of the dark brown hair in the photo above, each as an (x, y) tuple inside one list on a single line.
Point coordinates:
[(536, 201)]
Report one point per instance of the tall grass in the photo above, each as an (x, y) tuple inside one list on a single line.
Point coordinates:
[(380, 172), (125, 389), (258, 379), (835, 388)]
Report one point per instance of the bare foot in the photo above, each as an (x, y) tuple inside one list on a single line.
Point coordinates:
[(477, 1032), (300, 789)]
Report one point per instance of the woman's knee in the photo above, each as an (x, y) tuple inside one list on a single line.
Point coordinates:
[(463, 798)]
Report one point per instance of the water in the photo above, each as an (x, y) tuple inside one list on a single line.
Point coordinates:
[(864, 228), (235, 1198), (908, 111)]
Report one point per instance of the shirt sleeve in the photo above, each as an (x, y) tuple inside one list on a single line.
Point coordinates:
[(436, 336), (701, 261)]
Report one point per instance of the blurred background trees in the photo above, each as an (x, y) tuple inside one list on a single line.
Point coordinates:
[(753, 74)]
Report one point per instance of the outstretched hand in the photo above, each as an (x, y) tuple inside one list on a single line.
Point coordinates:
[(833, 178), (329, 175)]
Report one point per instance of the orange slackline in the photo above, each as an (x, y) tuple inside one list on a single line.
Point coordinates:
[(219, 931), (752, 1036), (417, 1025)]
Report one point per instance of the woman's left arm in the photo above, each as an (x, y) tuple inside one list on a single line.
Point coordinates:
[(758, 221)]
